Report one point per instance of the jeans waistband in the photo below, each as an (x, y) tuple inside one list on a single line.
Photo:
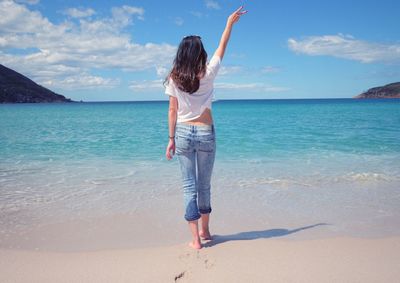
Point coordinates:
[(194, 128)]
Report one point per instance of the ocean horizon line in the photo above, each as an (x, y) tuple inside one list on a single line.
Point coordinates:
[(240, 99), (218, 100)]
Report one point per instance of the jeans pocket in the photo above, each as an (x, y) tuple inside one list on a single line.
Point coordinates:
[(207, 144), (182, 144)]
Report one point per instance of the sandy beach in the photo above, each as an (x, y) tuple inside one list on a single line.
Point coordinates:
[(225, 259)]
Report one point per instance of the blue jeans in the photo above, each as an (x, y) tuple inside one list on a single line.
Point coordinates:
[(195, 148)]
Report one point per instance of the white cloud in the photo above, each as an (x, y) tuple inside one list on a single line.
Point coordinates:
[(161, 71), (124, 14), (253, 87), (58, 75), (30, 2), (79, 12), (178, 21), (270, 69), (210, 4), (77, 46), (15, 19), (147, 86), (82, 81), (229, 70), (347, 47), (197, 14)]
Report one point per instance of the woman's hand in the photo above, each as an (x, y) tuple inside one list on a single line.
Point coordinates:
[(170, 149), (235, 16)]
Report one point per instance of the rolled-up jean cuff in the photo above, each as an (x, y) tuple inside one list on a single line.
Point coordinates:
[(205, 211), (193, 218)]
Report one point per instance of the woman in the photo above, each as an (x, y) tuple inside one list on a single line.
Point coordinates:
[(191, 130)]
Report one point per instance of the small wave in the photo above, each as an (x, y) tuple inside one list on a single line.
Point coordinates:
[(100, 181), (271, 181), (94, 182), (366, 177), (320, 180)]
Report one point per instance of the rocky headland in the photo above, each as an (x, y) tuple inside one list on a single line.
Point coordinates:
[(388, 91), (16, 88)]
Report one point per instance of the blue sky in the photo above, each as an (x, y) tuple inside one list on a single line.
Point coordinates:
[(122, 50)]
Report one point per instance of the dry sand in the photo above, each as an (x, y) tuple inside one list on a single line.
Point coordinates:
[(221, 260)]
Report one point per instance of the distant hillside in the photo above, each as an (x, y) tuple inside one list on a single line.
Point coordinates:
[(387, 91), (16, 88)]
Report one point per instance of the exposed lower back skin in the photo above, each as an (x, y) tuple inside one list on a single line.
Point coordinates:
[(204, 119)]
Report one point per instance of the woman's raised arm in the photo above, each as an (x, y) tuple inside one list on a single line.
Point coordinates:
[(232, 19)]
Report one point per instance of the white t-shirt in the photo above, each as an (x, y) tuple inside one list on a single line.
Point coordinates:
[(191, 106)]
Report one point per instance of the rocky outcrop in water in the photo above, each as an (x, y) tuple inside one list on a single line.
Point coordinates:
[(387, 91), (16, 88)]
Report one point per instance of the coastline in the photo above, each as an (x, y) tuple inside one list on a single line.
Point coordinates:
[(338, 259)]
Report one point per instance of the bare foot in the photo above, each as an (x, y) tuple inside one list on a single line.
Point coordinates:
[(195, 245), (205, 235)]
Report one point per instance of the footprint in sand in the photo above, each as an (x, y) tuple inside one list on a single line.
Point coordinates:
[(179, 276), (208, 264)]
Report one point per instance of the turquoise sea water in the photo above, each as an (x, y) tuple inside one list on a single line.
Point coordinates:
[(246, 129), (331, 160)]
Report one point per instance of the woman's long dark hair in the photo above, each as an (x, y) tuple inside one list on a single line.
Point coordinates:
[(189, 64)]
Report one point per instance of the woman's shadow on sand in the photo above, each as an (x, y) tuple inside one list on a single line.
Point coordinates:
[(253, 235)]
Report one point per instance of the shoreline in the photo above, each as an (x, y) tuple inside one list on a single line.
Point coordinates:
[(337, 259)]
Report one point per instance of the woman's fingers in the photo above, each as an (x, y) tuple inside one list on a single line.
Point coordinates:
[(169, 156), (238, 10), (236, 15), (170, 152)]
